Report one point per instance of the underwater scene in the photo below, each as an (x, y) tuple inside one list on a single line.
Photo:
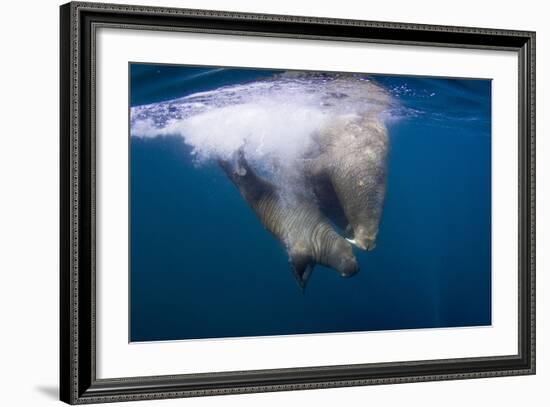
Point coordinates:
[(278, 202)]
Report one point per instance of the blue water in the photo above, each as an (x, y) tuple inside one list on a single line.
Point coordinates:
[(202, 265)]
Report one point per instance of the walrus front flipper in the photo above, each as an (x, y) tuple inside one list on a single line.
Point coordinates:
[(235, 167), (252, 186), (328, 202), (302, 267)]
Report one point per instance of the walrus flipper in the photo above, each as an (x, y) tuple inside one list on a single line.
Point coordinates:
[(328, 202), (235, 167), (302, 267)]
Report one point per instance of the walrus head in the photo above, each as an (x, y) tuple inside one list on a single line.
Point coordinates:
[(364, 237), (341, 258), (338, 256)]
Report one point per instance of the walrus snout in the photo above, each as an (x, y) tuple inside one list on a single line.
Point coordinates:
[(371, 245), (348, 267), (364, 239), (366, 244), (342, 259)]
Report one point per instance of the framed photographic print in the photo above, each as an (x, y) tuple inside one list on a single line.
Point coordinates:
[(256, 203)]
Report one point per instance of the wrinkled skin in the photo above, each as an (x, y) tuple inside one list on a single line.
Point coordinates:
[(351, 164), (306, 233)]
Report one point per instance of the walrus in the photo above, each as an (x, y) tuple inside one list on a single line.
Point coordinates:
[(297, 223), (351, 166)]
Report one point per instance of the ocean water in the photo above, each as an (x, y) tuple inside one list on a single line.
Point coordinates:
[(203, 266)]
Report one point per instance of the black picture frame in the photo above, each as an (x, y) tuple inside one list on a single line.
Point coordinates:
[(78, 382)]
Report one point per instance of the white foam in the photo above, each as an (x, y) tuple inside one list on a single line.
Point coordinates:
[(273, 120), (265, 129)]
